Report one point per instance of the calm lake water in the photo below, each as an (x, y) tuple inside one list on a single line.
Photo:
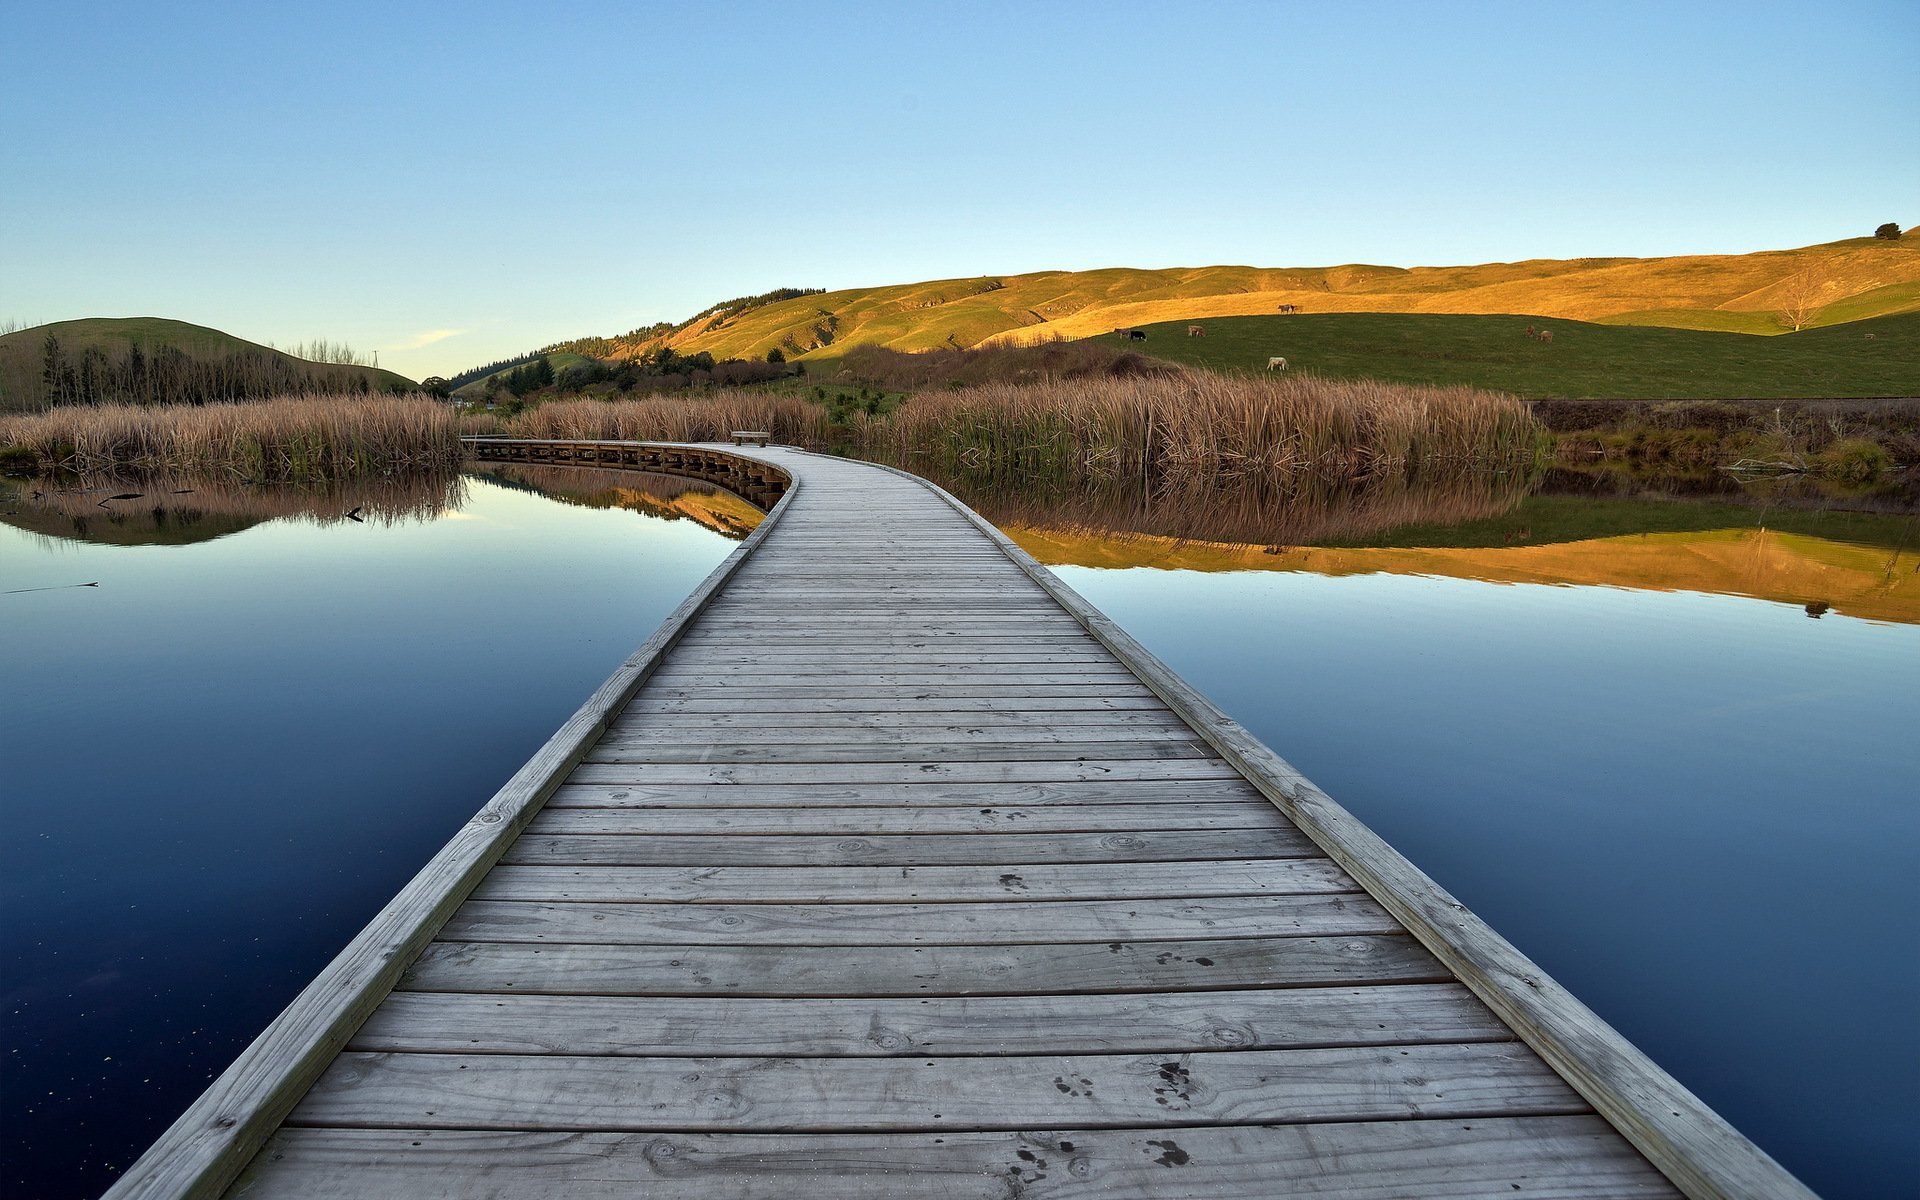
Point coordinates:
[(223, 760), (1613, 725)]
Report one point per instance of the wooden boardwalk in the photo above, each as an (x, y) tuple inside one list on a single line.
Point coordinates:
[(888, 868)]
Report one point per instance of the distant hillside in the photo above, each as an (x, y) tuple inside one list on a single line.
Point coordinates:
[(175, 361), (1831, 283)]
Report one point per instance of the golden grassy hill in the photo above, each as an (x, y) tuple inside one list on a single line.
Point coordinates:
[(1847, 280)]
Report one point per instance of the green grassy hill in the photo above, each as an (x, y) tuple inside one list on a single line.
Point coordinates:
[(1878, 357), (22, 354), (1838, 281)]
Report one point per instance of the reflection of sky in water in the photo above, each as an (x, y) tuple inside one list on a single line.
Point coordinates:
[(224, 759), (1699, 812)]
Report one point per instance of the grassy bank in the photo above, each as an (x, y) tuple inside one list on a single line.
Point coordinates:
[(300, 438), (1858, 441), (1879, 357)]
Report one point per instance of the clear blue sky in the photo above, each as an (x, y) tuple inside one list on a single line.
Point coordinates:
[(477, 179)]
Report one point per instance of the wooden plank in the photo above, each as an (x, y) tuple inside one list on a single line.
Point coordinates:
[(594, 1092), (1125, 1023), (584, 790), (866, 822), (810, 701), (835, 849), (1107, 770), (921, 971), (1690, 1143), (686, 735), (1543, 1158), (877, 750), (917, 924), (900, 885), (829, 695), (933, 724)]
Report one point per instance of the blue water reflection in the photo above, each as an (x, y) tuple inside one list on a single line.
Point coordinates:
[(224, 759), (1699, 812)]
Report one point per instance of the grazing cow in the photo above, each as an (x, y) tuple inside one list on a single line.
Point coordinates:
[(1196, 331), (1289, 308), (1532, 332), (1546, 335), (1276, 363), (1138, 335)]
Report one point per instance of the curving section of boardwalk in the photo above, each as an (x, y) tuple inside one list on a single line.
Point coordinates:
[(889, 868)]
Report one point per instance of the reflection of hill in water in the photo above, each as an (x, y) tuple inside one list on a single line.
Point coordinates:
[(669, 497), (179, 511), (1863, 564), (1782, 540)]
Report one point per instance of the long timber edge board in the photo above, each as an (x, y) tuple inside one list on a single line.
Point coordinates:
[(1436, 1109)]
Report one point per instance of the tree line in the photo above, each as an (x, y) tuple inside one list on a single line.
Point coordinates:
[(168, 375), (658, 370)]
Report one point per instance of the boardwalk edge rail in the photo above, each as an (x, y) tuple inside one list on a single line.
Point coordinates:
[(1687, 1141), (203, 1151)]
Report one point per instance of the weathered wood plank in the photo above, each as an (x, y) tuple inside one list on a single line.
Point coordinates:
[(916, 924), (877, 750), (807, 701), (900, 885), (583, 789), (920, 971), (867, 822), (1126, 1023), (1081, 771), (869, 732), (777, 1095), (832, 850), (1543, 1158)]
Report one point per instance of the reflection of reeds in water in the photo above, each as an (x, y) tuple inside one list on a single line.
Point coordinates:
[(179, 509), (294, 438), (1303, 510), (669, 497)]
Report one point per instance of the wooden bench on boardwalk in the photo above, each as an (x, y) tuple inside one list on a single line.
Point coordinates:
[(750, 437), (888, 867)]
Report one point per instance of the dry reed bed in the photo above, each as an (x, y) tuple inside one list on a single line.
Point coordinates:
[(304, 437), (704, 418), (1197, 425)]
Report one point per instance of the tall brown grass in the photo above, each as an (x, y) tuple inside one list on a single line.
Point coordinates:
[(305, 437), (705, 417), (1200, 426)]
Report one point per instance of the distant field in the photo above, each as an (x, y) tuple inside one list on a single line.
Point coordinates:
[(1584, 360)]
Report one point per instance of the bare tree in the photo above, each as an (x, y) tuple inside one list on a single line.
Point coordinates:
[(1802, 295)]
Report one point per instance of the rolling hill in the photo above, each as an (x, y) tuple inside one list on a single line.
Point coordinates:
[(1835, 282), (22, 355)]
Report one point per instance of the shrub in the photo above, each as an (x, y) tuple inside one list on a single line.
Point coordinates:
[(1890, 231), (1854, 460)]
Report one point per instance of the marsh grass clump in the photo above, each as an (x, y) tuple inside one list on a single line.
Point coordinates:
[(1198, 426), (1854, 460), (294, 438)]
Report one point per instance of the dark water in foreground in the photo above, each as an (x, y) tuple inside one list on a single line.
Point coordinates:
[(223, 760), (1610, 724)]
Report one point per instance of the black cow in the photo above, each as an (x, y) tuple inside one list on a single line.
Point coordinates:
[(1137, 335)]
